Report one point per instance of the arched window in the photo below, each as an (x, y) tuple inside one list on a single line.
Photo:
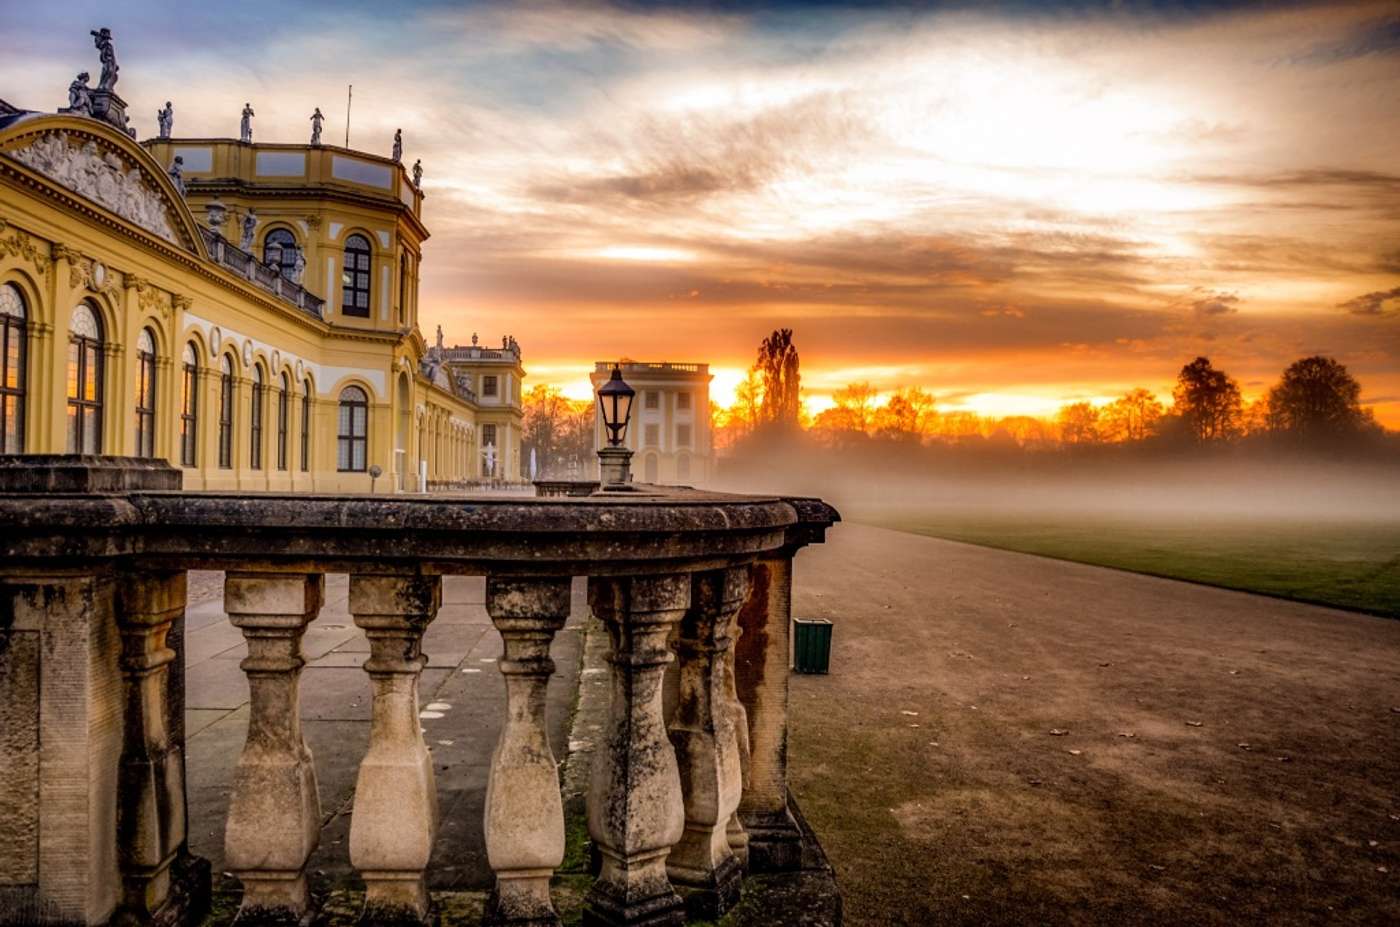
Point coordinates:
[(255, 427), (13, 351), (189, 409), (226, 399), (280, 251), (355, 277), (353, 437), (145, 394), (306, 426), (84, 382), (282, 412)]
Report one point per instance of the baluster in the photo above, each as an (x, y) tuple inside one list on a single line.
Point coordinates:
[(151, 822), (524, 811), (395, 816), (635, 810), (707, 746), (274, 815), (761, 667)]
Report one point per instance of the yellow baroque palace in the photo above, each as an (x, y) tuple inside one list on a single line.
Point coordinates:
[(253, 318)]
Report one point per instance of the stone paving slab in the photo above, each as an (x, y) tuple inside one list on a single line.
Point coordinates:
[(461, 682)]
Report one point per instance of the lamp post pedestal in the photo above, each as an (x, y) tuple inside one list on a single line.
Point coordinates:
[(615, 467)]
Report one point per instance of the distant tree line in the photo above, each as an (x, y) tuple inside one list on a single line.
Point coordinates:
[(559, 431), (1316, 404)]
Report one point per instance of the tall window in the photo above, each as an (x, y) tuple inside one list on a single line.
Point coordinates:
[(489, 385), (280, 250), (84, 382), (145, 394), (306, 426), (255, 427), (683, 401), (683, 436), (403, 288), (354, 277), (282, 412), (653, 400), (353, 436), (189, 409), (651, 436), (13, 349), (226, 398)]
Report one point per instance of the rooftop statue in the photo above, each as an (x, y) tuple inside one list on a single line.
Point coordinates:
[(177, 172), (398, 145), (245, 125), (165, 118), (418, 173), (102, 38), (316, 120), (439, 337), (80, 96)]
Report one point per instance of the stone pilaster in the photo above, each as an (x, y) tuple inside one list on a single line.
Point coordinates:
[(395, 817), (738, 837), (524, 810), (635, 809), (707, 747), (761, 670), (274, 816), (162, 884)]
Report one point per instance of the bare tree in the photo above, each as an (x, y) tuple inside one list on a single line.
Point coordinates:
[(1207, 401), (1317, 399), (1079, 423), (1132, 417)]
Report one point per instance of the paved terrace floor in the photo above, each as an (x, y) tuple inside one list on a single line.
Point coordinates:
[(461, 684), (1225, 758)]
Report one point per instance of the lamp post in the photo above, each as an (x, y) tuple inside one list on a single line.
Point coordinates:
[(615, 403)]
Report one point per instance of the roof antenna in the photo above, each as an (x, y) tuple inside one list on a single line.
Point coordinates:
[(349, 95)]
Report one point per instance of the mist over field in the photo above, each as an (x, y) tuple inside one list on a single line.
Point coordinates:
[(1199, 487)]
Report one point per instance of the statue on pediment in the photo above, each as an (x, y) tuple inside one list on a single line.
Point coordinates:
[(80, 96), (245, 125), (398, 145), (418, 173), (316, 120), (177, 174), (165, 118), (107, 53)]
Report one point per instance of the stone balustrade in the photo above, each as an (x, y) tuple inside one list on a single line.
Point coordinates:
[(93, 823)]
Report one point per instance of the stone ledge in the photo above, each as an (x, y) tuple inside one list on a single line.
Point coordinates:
[(71, 473)]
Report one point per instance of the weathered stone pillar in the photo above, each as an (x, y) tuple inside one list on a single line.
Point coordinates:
[(159, 886), (761, 669), (635, 810), (707, 746), (274, 815), (395, 817), (524, 810), (61, 698)]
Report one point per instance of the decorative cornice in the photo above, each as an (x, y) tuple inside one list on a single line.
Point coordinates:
[(177, 256)]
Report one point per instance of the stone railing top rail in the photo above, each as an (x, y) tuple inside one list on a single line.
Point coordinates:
[(98, 507)]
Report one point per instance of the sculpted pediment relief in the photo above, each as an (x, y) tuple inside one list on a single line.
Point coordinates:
[(104, 175)]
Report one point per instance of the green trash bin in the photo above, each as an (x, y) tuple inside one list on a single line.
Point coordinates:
[(811, 645)]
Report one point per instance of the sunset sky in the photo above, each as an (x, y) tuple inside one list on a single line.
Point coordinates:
[(1013, 205)]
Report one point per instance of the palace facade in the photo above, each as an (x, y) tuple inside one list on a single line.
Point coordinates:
[(248, 312)]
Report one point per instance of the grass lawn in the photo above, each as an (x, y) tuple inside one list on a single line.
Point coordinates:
[(1353, 564)]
